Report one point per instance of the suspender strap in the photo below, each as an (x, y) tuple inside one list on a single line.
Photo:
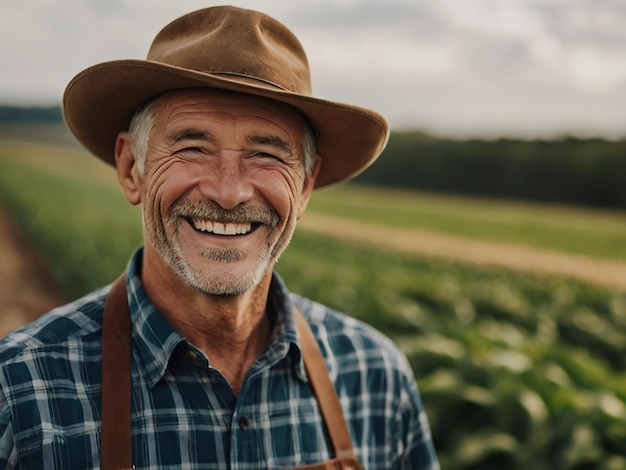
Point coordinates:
[(324, 390), (116, 452)]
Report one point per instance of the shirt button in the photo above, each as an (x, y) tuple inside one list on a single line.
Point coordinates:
[(192, 356), (243, 423)]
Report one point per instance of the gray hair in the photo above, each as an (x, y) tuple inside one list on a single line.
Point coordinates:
[(142, 122), (141, 125)]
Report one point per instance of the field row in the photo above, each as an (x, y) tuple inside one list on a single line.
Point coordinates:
[(413, 242), (586, 232), (577, 231)]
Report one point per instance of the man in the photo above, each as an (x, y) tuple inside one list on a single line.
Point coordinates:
[(199, 357)]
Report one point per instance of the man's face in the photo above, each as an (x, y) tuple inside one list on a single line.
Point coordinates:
[(223, 186)]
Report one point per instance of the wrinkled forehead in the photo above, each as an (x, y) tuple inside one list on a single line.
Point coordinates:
[(196, 101)]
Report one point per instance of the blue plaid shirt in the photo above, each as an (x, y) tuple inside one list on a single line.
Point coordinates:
[(184, 413)]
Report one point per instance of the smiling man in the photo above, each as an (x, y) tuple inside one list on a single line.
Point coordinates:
[(198, 356), (222, 183)]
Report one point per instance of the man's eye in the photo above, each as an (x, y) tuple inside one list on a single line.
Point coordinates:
[(269, 156), (191, 151)]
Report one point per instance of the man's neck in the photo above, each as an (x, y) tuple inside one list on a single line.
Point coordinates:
[(233, 331)]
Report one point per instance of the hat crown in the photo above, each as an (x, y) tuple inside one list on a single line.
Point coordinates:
[(244, 44)]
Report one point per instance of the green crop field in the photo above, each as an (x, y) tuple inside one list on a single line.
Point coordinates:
[(517, 371), (579, 231)]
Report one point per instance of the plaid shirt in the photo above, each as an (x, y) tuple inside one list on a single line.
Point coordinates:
[(184, 413)]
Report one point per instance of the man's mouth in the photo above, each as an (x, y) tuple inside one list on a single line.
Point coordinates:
[(221, 228)]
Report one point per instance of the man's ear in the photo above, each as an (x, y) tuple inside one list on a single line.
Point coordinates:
[(127, 171), (309, 185)]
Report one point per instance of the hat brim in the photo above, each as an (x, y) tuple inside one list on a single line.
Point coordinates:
[(98, 104)]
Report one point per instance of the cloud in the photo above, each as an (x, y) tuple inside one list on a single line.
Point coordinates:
[(471, 66)]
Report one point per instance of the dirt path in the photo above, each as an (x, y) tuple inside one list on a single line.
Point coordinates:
[(602, 272), (25, 288)]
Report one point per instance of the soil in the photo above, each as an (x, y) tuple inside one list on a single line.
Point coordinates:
[(26, 289)]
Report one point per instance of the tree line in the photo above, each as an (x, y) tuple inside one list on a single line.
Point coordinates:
[(569, 170), (19, 114)]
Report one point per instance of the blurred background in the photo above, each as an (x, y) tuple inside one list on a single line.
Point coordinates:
[(472, 68), (489, 240)]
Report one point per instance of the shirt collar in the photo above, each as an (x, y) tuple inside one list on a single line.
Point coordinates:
[(154, 336), (285, 331), (157, 340)]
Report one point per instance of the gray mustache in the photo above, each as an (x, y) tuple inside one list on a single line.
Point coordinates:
[(243, 213)]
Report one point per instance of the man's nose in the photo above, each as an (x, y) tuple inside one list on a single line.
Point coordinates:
[(227, 182)]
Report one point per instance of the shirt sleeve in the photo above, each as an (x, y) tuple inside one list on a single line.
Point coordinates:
[(414, 429), (7, 447)]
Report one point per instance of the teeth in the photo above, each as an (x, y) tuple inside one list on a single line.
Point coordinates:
[(220, 228)]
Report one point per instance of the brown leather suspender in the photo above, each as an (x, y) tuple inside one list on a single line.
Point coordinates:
[(115, 442), (116, 452)]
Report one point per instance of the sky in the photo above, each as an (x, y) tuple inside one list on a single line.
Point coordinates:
[(460, 68)]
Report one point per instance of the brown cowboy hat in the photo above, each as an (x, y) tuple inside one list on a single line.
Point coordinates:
[(227, 48)]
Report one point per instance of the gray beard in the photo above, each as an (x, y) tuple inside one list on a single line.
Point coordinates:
[(213, 282)]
